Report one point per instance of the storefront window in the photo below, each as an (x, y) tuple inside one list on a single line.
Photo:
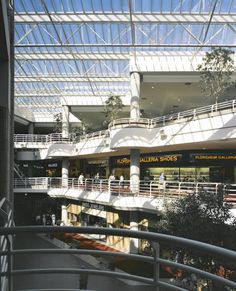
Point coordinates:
[(187, 174), (202, 174), (171, 174)]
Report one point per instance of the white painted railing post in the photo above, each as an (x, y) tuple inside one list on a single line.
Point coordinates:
[(100, 185), (179, 188)]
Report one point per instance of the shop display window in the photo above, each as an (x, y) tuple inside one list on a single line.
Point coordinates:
[(171, 174)]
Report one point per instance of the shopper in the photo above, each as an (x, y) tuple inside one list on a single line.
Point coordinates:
[(162, 178), (122, 183), (81, 179)]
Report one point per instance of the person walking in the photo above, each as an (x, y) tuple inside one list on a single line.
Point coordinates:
[(122, 183), (161, 181), (81, 179)]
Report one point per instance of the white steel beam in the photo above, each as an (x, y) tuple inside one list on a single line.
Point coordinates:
[(125, 17), (43, 93), (71, 56), (91, 101), (70, 79), (74, 101)]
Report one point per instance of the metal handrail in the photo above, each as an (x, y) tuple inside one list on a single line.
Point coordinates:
[(157, 239), (43, 138), (57, 137), (95, 134), (125, 122), (192, 113), (144, 188)]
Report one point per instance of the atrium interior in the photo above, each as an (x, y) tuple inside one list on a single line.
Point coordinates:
[(111, 111)]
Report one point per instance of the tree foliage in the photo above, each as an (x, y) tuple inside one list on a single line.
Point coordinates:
[(57, 118), (216, 71), (203, 217), (113, 106)]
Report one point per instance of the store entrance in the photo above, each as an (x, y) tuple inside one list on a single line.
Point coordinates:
[(91, 220), (222, 174)]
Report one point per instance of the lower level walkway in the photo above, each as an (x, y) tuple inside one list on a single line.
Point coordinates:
[(60, 281)]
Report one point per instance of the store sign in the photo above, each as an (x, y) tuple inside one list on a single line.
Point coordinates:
[(151, 159), (54, 165), (93, 206), (98, 162), (212, 157)]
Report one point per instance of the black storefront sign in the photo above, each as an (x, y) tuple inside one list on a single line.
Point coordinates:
[(148, 159), (216, 158)]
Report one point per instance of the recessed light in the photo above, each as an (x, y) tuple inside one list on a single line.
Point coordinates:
[(153, 87)]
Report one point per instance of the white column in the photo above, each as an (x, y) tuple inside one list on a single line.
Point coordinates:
[(31, 128), (65, 121), (134, 170), (64, 217), (135, 95), (65, 172), (134, 242)]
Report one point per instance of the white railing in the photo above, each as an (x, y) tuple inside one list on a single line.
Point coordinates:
[(163, 120), (43, 138), (118, 188), (56, 138), (96, 134), (24, 139)]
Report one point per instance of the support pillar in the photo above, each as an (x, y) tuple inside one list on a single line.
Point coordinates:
[(65, 172), (135, 95), (134, 170), (135, 113), (65, 121), (134, 242), (64, 216), (6, 130), (31, 128)]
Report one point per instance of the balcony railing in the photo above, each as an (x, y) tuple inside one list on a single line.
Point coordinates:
[(43, 138), (125, 188), (165, 119), (24, 139), (157, 241)]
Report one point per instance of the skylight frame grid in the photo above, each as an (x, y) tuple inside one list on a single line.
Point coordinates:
[(127, 40)]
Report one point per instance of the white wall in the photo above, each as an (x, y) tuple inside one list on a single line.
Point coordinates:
[(123, 203), (199, 130)]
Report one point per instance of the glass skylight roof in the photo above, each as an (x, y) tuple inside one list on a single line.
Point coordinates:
[(82, 47)]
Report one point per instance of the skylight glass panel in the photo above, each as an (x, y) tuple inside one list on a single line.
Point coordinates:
[(97, 5)]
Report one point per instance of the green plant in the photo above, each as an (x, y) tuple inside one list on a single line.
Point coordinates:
[(200, 217), (215, 73), (57, 118), (204, 217), (113, 106)]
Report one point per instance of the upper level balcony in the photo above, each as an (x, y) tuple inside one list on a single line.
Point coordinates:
[(148, 195), (202, 126)]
